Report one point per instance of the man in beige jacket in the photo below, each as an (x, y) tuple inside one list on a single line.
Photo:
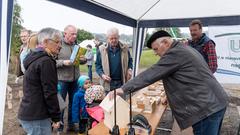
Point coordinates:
[(114, 62)]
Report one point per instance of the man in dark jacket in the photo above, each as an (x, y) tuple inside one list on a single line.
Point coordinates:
[(194, 95), (39, 106)]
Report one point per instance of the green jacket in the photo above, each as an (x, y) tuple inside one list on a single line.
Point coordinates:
[(66, 73)]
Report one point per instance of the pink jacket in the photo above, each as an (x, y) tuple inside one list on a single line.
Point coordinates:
[(96, 113)]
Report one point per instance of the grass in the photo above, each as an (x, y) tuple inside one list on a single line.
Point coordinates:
[(147, 59), (84, 68)]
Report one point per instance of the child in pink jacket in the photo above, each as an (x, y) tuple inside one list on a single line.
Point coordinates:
[(93, 97)]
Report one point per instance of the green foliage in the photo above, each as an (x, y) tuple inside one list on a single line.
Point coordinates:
[(16, 29), (148, 58), (146, 39), (83, 35)]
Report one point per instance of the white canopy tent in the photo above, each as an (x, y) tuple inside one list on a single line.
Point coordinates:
[(139, 14), (158, 13)]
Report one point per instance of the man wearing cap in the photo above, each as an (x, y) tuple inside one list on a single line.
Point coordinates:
[(194, 95)]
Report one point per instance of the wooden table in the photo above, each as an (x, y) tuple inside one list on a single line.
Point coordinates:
[(153, 119)]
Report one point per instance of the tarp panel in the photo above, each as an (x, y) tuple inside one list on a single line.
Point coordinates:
[(98, 11)]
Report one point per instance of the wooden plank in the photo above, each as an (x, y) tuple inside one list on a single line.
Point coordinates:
[(153, 119)]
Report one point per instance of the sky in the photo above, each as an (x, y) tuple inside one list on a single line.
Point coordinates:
[(38, 14)]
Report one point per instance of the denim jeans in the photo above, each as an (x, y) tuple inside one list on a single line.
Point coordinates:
[(90, 72), (210, 125), (68, 88), (37, 127)]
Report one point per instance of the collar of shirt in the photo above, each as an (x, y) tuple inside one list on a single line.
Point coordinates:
[(114, 50)]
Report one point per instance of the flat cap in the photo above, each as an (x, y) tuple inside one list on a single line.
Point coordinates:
[(157, 35)]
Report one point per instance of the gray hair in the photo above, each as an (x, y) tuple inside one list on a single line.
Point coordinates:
[(69, 26), (48, 33), (169, 39), (25, 30), (112, 31)]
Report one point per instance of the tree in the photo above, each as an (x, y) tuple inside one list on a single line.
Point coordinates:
[(146, 39), (173, 31), (83, 35), (16, 29), (15, 36)]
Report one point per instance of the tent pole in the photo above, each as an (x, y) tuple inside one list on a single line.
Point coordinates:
[(139, 38), (5, 34)]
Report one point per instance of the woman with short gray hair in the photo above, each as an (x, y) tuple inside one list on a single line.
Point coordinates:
[(39, 107)]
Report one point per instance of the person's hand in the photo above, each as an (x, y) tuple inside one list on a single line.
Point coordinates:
[(164, 100), (56, 125), (129, 75), (67, 62), (83, 59), (106, 78), (119, 91)]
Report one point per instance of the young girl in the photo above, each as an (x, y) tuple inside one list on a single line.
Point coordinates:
[(93, 97), (79, 113)]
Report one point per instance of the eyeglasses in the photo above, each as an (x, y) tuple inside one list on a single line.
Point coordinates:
[(57, 42)]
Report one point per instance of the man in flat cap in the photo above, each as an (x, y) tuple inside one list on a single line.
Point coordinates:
[(194, 95)]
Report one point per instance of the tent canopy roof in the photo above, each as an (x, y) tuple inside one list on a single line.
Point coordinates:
[(160, 13)]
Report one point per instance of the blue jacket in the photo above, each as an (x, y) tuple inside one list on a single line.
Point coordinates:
[(79, 106)]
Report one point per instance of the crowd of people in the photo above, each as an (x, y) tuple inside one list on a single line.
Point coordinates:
[(44, 61), (186, 69)]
